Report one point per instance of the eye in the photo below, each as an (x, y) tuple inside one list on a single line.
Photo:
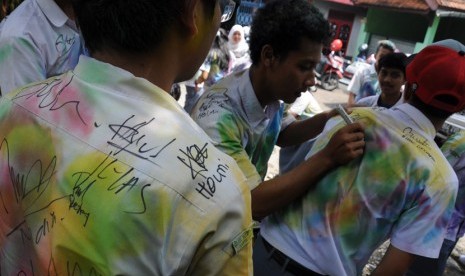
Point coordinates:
[(307, 67)]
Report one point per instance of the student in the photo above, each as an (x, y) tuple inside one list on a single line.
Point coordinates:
[(391, 78), (243, 113), (402, 188), (39, 39), (364, 83), (103, 173), (454, 150)]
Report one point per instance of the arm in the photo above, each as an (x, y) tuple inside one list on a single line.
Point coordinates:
[(272, 195), (351, 99), (395, 262), (201, 79), (302, 130)]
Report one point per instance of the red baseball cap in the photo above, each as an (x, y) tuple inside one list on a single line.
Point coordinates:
[(437, 75)]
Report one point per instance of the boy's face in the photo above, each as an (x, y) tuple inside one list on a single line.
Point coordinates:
[(391, 80), (291, 76)]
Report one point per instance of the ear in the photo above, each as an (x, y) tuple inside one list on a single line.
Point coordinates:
[(408, 92), (267, 55), (190, 16)]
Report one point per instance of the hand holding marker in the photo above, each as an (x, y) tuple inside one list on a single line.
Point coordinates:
[(344, 114)]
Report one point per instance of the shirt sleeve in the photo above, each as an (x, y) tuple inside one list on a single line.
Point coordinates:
[(421, 228), (21, 63), (355, 82), (368, 101), (298, 107), (228, 250), (228, 133)]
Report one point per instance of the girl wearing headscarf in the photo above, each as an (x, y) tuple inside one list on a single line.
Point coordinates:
[(239, 47)]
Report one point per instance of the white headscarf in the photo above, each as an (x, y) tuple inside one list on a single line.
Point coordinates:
[(241, 48)]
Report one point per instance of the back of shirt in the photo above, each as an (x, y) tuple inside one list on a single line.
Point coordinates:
[(114, 178), (402, 188)]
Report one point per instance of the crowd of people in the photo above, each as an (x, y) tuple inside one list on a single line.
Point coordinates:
[(103, 172)]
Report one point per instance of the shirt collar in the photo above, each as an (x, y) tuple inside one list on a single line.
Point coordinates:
[(415, 116), (253, 109), (113, 78), (53, 12)]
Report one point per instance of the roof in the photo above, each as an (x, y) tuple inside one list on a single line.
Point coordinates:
[(416, 5), (452, 4), (343, 2)]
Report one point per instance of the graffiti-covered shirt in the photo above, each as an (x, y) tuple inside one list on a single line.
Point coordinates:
[(103, 173), (402, 188), (364, 83), (232, 116), (454, 150), (37, 41)]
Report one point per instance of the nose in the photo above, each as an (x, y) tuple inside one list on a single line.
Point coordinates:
[(311, 80)]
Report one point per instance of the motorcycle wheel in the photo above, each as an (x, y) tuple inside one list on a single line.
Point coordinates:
[(329, 81)]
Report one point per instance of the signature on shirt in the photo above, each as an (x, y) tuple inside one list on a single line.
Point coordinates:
[(63, 43)]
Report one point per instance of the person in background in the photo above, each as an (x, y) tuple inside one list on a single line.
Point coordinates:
[(218, 63), (391, 78), (239, 47), (402, 188), (243, 113), (364, 83), (194, 88), (103, 173), (39, 39), (454, 150)]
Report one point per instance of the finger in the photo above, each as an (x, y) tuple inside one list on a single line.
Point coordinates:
[(354, 127)]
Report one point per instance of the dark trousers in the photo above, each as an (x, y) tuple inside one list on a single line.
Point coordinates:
[(423, 266), (266, 264)]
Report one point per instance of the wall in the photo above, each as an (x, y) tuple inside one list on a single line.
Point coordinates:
[(405, 26), (325, 6)]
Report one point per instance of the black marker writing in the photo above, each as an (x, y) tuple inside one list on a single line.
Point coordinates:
[(195, 160), (128, 137), (63, 43), (51, 97)]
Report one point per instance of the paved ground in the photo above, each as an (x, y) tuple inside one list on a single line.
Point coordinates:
[(331, 99)]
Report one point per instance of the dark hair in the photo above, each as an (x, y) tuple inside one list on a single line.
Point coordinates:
[(129, 26), (282, 24), (393, 60), (430, 111)]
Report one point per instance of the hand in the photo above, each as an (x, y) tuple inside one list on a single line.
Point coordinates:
[(345, 145), (333, 112)]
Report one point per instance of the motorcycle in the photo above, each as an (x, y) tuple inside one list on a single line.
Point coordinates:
[(329, 71)]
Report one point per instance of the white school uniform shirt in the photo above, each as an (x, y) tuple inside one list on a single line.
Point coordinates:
[(37, 41)]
